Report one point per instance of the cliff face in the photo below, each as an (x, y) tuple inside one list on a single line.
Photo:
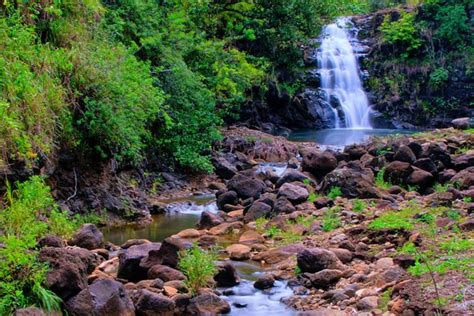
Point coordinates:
[(427, 89)]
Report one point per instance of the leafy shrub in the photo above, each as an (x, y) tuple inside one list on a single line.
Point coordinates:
[(30, 213), (334, 192), (402, 34), (198, 266), (438, 78), (454, 26)]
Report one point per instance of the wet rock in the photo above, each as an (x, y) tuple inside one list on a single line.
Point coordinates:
[(461, 123), (229, 197), (316, 259), (257, 210), (318, 163), (291, 175), (208, 304), (51, 241), (325, 278), (264, 282), (405, 154), (129, 261), (238, 252), (69, 269), (209, 220), (88, 237), (293, 193), (101, 298), (246, 187), (227, 275), (165, 273), (152, 304)]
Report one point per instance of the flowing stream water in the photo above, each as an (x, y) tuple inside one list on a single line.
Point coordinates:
[(340, 78)]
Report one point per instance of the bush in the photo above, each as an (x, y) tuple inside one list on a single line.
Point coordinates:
[(29, 213), (402, 34), (198, 266), (438, 78)]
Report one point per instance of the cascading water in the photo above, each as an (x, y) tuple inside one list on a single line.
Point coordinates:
[(340, 78)]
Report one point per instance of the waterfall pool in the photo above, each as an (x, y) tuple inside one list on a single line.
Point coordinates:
[(340, 137)]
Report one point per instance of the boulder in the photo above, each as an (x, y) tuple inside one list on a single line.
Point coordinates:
[(355, 152), (461, 123), (264, 282), (257, 210), (317, 259), (208, 304), (129, 261), (405, 154), (464, 178), (246, 186), (397, 172), (223, 168), (69, 268), (229, 197), (325, 278), (226, 275), (238, 252), (251, 237), (293, 193), (420, 178), (189, 233), (167, 254), (282, 205), (51, 241), (354, 182), (463, 161), (153, 304), (426, 164), (291, 175), (319, 163), (165, 273), (89, 237), (209, 220), (101, 298), (368, 303)]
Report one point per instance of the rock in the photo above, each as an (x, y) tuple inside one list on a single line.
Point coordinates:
[(420, 178), (461, 123), (316, 259), (464, 178), (264, 282), (229, 197), (129, 261), (355, 152), (209, 220), (51, 241), (170, 291), (323, 201), (325, 278), (405, 154), (354, 182), (384, 263), (69, 269), (368, 303), (251, 237), (291, 175), (30, 311), (397, 172), (467, 225), (322, 312), (165, 273), (189, 233), (88, 237), (226, 275), (134, 242), (257, 210), (246, 187), (152, 304), (223, 168), (167, 254), (293, 193), (342, 254), (238, 252), (208, 304), (282, 205), (426, 164), (101, 298), (463, 161), (318, 163)]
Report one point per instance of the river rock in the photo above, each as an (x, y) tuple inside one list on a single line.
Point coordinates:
[(246, 187), (129, 261), (223, 168), (238, 252), (209, 220), (208, 304), (264, 282), (167, 254), (420, 178), (89, 237), (318, 163), (227, 275), (293, 193), (291, 175), (257, 210), (426, 164), (151, 304), (165, 273), (368, 303), (189, 233), (461, 123), (229, 197), (251, 237), (133, 242), (464, 178), (353, 181), (397, 172), (316, 259), (405, 154), (101, 298), (325, 278), (463, 161)]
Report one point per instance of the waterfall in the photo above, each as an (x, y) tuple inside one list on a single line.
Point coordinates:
[(340, 78)]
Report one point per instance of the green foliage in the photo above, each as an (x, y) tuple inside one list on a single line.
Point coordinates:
[(402, 34), (438, 78), (380, 181), (391, 220), (359, 205), (198, 266), (30, 213), (331, 220), (453, 24), (334, 192)]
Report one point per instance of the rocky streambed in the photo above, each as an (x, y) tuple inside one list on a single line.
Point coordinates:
[(384, 227)]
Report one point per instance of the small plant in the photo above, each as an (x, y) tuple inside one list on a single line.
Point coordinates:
[(467, 199), (305, 221), (331, 220), (260, 224), (441, 188), (359, 205), (391, 220), (334, 192), (297, 270), (198, 266), (380, 180)]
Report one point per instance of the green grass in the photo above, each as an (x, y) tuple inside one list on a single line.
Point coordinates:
[(359, 205), (331, 220), (199, 268), (395, 220), (380, 181), (334, 193), (441, 188)]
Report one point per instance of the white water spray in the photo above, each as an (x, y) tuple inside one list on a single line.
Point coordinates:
[(340, 78)]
